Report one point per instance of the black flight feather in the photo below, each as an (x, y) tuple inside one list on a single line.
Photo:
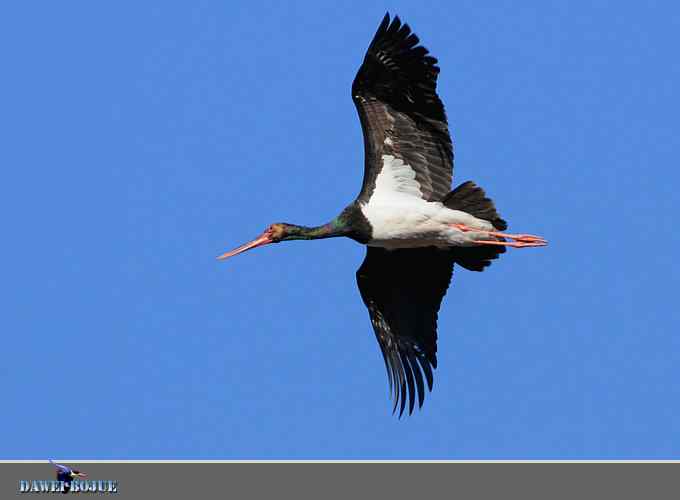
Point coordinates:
[(401, 114), (403, 290)]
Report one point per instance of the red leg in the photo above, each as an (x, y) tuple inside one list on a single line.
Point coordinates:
[(513, 244), (520, 240)]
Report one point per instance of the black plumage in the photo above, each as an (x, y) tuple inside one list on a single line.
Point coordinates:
[(401, 114), (403, 290)]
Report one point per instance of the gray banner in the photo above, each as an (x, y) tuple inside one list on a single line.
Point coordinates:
[(358, 480)]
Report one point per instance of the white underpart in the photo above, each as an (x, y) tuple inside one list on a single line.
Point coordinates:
[(396, 177), (401, 218)]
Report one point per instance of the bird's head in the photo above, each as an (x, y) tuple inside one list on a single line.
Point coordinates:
[(76, 473), (273, 234)]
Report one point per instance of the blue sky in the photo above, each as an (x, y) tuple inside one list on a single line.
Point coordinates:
[(141, 139)]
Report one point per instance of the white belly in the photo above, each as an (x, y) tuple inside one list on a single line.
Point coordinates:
[(405, 221)]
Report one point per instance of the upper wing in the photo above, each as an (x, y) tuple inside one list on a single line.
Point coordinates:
[(403, 290), (401, 115)]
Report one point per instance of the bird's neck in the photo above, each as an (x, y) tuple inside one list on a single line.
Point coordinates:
[(333, 229)]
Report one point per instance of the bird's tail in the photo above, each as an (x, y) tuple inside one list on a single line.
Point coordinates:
[(470, 198)]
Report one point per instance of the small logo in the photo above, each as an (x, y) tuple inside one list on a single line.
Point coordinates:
[(68, 480)]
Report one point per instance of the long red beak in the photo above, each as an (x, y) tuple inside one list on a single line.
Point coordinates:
[(265, 239)]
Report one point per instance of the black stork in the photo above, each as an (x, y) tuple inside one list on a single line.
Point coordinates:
[(415, 228)]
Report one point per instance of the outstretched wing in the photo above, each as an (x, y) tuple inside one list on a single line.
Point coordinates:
[(403, 290), (402, 117)]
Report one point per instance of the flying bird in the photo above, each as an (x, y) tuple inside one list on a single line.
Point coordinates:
[(66, 474), (414, 226)]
